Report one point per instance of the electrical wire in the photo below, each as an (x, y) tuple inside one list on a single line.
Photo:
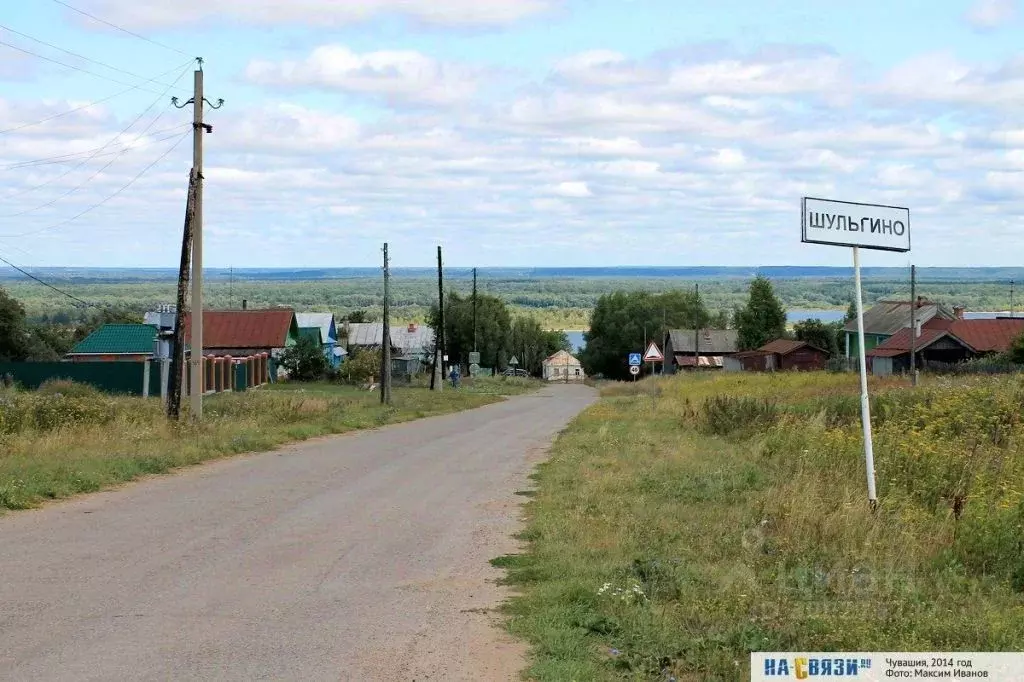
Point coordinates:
[(69, 66), (119, 28), (104, 201), (46, 284), (68, 158), (90, 104), (73, 54), (96, 153)]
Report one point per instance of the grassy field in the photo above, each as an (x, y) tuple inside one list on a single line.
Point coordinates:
[(680, 524), (69, 439)]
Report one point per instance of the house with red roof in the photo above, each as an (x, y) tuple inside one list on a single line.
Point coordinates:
[(240, 333), (944, 341)]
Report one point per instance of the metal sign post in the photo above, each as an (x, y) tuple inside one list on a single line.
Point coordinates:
[(869, 226)]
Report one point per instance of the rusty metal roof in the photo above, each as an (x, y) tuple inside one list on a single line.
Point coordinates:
[(245, 328), (988, 336), (980, 336)]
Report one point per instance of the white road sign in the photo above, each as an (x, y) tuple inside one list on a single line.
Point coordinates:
[(653, 353), (634, 370), (845, 223)]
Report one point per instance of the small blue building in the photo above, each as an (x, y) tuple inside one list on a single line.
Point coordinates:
[(334, 353)]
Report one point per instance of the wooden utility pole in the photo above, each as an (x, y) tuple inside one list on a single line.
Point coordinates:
[(474, 311), (385, 349), (178, 344), (696, 334), (199, 128), (913, 326), (437, 379)]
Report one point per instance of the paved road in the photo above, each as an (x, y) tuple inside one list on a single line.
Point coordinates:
[(361, 557)]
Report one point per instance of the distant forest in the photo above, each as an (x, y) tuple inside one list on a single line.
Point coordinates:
[(558, 298)]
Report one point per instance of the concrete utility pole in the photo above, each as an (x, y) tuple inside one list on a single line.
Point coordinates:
[(385, 350), (913, 326), (198, 129), (1011, 298)]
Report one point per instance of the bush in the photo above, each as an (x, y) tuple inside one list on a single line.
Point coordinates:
[(305, 361), (361, 366), (724, 415), (67, 387)]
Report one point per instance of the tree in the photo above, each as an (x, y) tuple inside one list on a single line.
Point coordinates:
[(362, 365), (493, 329), (305, 361), (851, 312), (763, 318), (818, 333), (531, 344), (14, 336), (1017, 350), (621, 320), (359, 316)]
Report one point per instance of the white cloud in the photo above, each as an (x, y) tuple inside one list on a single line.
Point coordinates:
[(604, 149), (576, 190), (318, 13), (398, 75), (989, 14), (940, 77)]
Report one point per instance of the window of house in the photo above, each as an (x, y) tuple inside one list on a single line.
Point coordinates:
[(577, 372)]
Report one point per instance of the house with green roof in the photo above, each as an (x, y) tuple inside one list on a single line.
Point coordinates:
[(116, 343)]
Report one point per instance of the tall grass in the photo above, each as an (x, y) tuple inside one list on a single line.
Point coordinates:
[(730, 514), (67, 439)]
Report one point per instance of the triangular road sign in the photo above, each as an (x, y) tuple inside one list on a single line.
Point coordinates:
[(653, 353), (514, 361)]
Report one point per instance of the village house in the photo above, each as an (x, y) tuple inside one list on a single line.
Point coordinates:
[(241, 333), (941, 341), (328, 336), (779, 356), (885, 319), (703, 348), (411, 340), (562, 366), (116, 343)]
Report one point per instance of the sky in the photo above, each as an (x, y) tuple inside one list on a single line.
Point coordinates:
[(510, 132)]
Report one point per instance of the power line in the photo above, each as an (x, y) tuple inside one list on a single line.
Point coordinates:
[(96, 153), (45, 284), (104, 201), (68, 158), (69, 66), (90, 104), (119, 28), (73, 54)]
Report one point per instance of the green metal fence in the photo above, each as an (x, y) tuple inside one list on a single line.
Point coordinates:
[(110, 377)]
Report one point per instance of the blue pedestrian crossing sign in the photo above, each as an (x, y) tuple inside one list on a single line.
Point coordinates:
[(635, 360)]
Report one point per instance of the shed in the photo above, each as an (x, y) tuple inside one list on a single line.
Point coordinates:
[(787, 354), (704, 348), (116, 343)]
